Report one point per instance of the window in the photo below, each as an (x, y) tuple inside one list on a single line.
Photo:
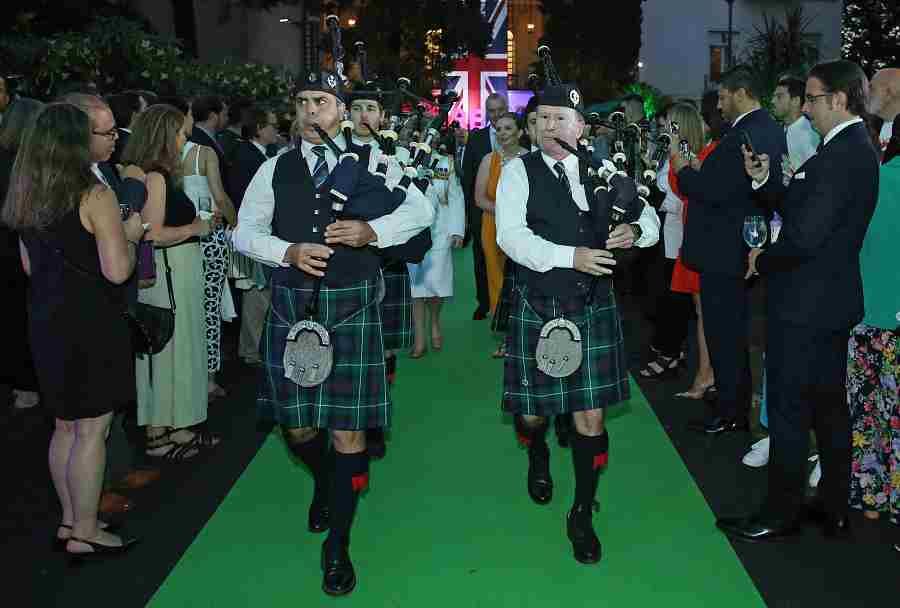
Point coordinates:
[(716, 62), (510, 59)]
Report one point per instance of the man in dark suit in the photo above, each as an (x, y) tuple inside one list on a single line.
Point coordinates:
[(814, 299), (124, 106), (259, 130), (211, 116), (481, 142), (720, 198)]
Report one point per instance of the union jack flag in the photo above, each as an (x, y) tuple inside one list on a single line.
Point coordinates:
[(475, 78)]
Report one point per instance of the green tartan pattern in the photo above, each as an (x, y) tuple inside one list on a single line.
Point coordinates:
[(602, 378), (355, 395), (396, 309)]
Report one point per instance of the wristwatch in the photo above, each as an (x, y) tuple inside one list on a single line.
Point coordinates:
[(638, 231)]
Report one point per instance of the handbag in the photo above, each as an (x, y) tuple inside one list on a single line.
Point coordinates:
[(152, 326)]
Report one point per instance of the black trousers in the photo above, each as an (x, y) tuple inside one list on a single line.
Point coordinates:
[(806, 371), (481, 285), (673, 313), (726, 313)]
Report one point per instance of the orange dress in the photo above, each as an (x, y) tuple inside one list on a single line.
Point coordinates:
[(685, 280), (494, 258)]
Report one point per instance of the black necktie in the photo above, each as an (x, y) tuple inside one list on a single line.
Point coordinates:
[(320, 173), (561, 175)]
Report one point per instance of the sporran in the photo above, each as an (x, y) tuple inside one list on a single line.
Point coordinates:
[(308, 354), (558, 351)]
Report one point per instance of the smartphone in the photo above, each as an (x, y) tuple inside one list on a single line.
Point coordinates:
[(745, 137), (125, 211)]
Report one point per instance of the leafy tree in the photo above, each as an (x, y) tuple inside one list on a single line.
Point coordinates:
[(780, 47), (595, 44), (871, 33)]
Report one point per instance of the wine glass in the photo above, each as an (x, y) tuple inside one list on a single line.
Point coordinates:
[(204, 203), (756, 231)]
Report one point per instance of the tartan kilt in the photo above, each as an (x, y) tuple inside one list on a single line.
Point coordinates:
[(602, 378), (396, 308), (500, 320), (355, 395)]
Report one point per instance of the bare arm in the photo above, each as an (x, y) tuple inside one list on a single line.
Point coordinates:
[(154, 213), (214, 177), (101, 217), (481, 180)]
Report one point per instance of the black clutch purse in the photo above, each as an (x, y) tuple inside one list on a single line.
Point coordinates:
[(151, 326)]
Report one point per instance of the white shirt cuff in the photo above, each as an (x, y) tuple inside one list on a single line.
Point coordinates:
[(564, 257)]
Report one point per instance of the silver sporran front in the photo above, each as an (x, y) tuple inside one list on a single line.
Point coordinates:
[(558, 350), (308, 354)]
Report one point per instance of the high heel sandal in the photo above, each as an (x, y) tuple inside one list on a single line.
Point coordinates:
[(437, 342), (418, 354), (58, 544), (661, 366), (706, 393), (98, 551)]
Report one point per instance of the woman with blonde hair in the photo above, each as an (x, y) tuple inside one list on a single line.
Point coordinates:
[(171, 385), (508, 135)]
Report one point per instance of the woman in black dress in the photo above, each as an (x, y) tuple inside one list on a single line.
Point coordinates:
[(18, 372), (78, 253)]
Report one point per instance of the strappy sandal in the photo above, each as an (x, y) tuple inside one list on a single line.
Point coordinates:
[(181, 451), (661, 366)]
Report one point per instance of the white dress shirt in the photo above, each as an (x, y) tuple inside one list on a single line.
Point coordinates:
[(96, 169), (253, 235), (885, 136), (520, 243), (741, 117)]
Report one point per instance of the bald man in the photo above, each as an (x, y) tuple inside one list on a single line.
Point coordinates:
[(884, 100)]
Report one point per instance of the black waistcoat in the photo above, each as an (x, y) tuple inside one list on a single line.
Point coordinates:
[(553, 215), (301, 215)]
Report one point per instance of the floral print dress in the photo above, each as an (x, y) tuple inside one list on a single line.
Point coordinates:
[(873, 376)]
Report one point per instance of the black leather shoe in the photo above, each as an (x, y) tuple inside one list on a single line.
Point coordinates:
[(756, 529), (318, 516), (540, 483), (585, 544), (479, 314), (717, 425), (338, 575), (563, 425)]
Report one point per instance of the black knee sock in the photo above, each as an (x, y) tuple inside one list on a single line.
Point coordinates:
[(349, 479), (315, 455), (532, 437), (589, 455), (375, 435), (390, 365)]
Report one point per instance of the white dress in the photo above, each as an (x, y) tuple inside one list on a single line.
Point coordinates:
[(434, 276), (216, 260)]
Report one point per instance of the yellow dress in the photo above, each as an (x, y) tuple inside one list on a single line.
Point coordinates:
[(494, 258)]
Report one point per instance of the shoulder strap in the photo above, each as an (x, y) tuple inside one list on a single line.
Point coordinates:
[(197, 161), (84, 271)]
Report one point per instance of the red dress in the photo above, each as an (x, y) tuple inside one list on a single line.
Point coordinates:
[(685, 280)]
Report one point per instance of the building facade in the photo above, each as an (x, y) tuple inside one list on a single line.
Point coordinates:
[(684, 44), (286, 36)]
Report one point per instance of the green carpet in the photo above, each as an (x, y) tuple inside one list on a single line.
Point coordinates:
[(447, 520)]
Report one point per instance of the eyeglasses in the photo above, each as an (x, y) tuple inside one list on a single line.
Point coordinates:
[(811, 99), (111, 134)]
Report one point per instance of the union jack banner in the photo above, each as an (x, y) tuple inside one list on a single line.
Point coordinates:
[(475, 78)]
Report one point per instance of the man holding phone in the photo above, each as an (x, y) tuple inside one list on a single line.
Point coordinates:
[(814, 297), (721, 197)]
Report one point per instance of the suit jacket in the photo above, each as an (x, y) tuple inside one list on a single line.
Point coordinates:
[(721, 196), (478, 146), (247, 161), (812, 270)]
